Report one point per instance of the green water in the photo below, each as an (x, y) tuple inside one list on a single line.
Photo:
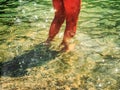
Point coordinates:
[(24, 24)]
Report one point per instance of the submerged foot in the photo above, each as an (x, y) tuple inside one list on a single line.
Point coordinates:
[(47, 43), (66, 47)]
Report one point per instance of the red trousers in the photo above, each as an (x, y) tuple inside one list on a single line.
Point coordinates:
[(65, 10)]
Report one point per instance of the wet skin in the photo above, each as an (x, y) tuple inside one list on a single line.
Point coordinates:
[(64, 10)]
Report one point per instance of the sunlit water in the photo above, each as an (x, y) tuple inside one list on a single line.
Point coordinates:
[(93, 65)]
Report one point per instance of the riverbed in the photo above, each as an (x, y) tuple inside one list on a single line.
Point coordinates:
[(26, 64)]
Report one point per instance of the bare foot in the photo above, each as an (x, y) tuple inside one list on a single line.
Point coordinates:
[(47, 43), (68, 48), (71, 47)]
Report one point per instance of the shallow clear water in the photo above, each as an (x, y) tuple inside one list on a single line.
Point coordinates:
[(93, 65)]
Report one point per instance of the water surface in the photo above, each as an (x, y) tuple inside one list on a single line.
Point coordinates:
[(93, 65)]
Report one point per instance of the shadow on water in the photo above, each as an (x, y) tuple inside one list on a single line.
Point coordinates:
[(18, 65)]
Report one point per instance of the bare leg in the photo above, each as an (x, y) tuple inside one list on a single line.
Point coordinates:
[(72, 10), (58, 19)]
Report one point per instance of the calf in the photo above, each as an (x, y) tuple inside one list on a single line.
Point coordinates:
[(64, 10)]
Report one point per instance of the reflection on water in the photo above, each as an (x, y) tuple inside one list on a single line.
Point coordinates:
[(94, 65)]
